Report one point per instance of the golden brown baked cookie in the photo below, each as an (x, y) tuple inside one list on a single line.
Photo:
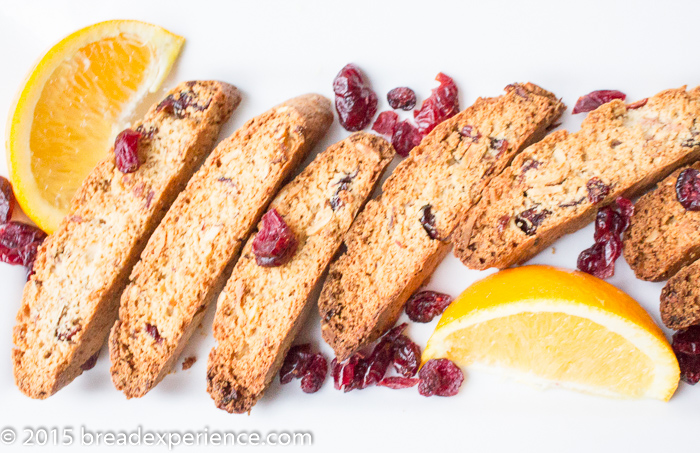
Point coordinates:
[(663, 236), (71, 301), (680, 298), (262, 308), (398, 239), (557, 185), (190, 254)]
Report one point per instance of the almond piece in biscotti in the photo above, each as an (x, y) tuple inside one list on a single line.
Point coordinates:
[(71, 301), (191, 253)]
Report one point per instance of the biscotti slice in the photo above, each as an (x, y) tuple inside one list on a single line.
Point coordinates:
[(191, 253), (71, 301), (398, 240), (680, 298), (556, 186), (663, 236), (262, 308)]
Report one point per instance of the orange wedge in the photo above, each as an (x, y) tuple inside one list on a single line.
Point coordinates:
[(74, 102), (553, 326)]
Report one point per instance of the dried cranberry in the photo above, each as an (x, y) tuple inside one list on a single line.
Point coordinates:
[(687, 341), (470, 133), (599, 259), (395, 331), (315, 374), (66, 333), (275, 243), (427, 219), (441, 105), (398, 382), (519, 90), (686, 345), (607, 221), (405, 138), (91, 362), (349, 375), (295, 363), (425, 305), (530, 219), (626, 208), (595, 99), (177, 107), (503, 222), (690, 368), (362, 370), (172, 106), (401, 98), (440, 377), (336, 372), (126, 150), (499, 144), (378, 362), (355, 101), (343, 184), (7, 200), (19, 243), (528, 165), (382, 356), (688, 189), (385, 123), (152, 330), (176, 104), (611, 222), (597, 190), (406, 356)]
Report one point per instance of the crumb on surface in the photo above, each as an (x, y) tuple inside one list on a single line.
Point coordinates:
[(188, 362), (554, 250)]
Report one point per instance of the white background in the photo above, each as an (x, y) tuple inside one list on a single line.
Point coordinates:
[(276, 50)]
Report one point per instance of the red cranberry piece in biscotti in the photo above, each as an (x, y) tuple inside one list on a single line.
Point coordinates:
[(126, 150), (595, 99), (275, 243), (688, 189)]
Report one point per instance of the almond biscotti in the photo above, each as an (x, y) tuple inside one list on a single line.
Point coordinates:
[(262, 308), (71, 301), (556, 186), (680, 298), (662, 236), (398, 240), (190, 255)]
